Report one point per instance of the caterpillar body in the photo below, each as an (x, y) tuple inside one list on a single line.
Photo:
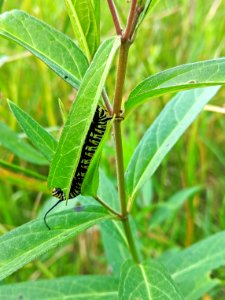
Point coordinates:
[(92, 140)]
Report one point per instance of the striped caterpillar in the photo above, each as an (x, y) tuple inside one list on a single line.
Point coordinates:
[(93, 139)]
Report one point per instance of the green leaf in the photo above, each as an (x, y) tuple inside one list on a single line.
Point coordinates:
[(10, 140), (149, 4), (18, 169), (194, 263), (172, 122), (114, 239), (31, 240), (82, 16), (77, 288), (43, 141), (53, 47), (166, 209), (148, 280), (91, 179), (189, 76), (80, 117), (199, 288)]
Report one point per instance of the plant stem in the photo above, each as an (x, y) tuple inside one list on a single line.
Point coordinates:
[(108, 207), (121, 187), (107, 102), (120, 166), (129, 27), (115, 17), (120, 79)]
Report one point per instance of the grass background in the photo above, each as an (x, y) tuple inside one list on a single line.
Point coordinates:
[(176, 32)]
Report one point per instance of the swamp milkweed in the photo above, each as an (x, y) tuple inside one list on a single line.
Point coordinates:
[(93, 139)]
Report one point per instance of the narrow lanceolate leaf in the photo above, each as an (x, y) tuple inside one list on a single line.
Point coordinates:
[(53, 47), (43, 141), (31, 240), (166, 209), (80, 117), (189, 76), (148, 5), (82, 16), (71, 287), (148, 281), (10, 140), (172, 122), (193, 264)]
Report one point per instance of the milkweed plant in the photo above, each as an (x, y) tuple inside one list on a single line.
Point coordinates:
[(74, 159)]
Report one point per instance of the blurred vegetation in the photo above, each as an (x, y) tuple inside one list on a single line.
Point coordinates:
[(176, 32)]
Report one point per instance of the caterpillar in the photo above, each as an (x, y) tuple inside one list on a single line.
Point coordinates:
[(92, 140)]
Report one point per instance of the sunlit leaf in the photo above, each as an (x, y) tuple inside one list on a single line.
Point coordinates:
[(172, 122), (69, 148), (193, 264), (53, 47), (11, 140), (148, 281), (31, 240), (77, 287), (43, 141), (82, 16), (189, 76)]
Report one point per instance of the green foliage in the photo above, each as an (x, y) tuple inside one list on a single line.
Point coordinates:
[(153, 282), (79, 287), (85, 26), (21, 148), (69, 148), (133, 221), (165, 210), (200, 74), (25, 243), (43, 141), (54, 48), (179, 113)]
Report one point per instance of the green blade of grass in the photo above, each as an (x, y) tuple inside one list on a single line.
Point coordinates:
[(54, 48), (22, 181), (43, 141), (148, 280), (189, 76), (10, 140), (69, 148), (31, 240), (172, 122)]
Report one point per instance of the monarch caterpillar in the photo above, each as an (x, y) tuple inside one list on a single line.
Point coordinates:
[(92, 140)]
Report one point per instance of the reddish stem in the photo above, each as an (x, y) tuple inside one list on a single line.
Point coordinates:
[(130, 21), (115, 17)]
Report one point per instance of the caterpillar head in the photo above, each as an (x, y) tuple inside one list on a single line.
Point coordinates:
[(58, 193)]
